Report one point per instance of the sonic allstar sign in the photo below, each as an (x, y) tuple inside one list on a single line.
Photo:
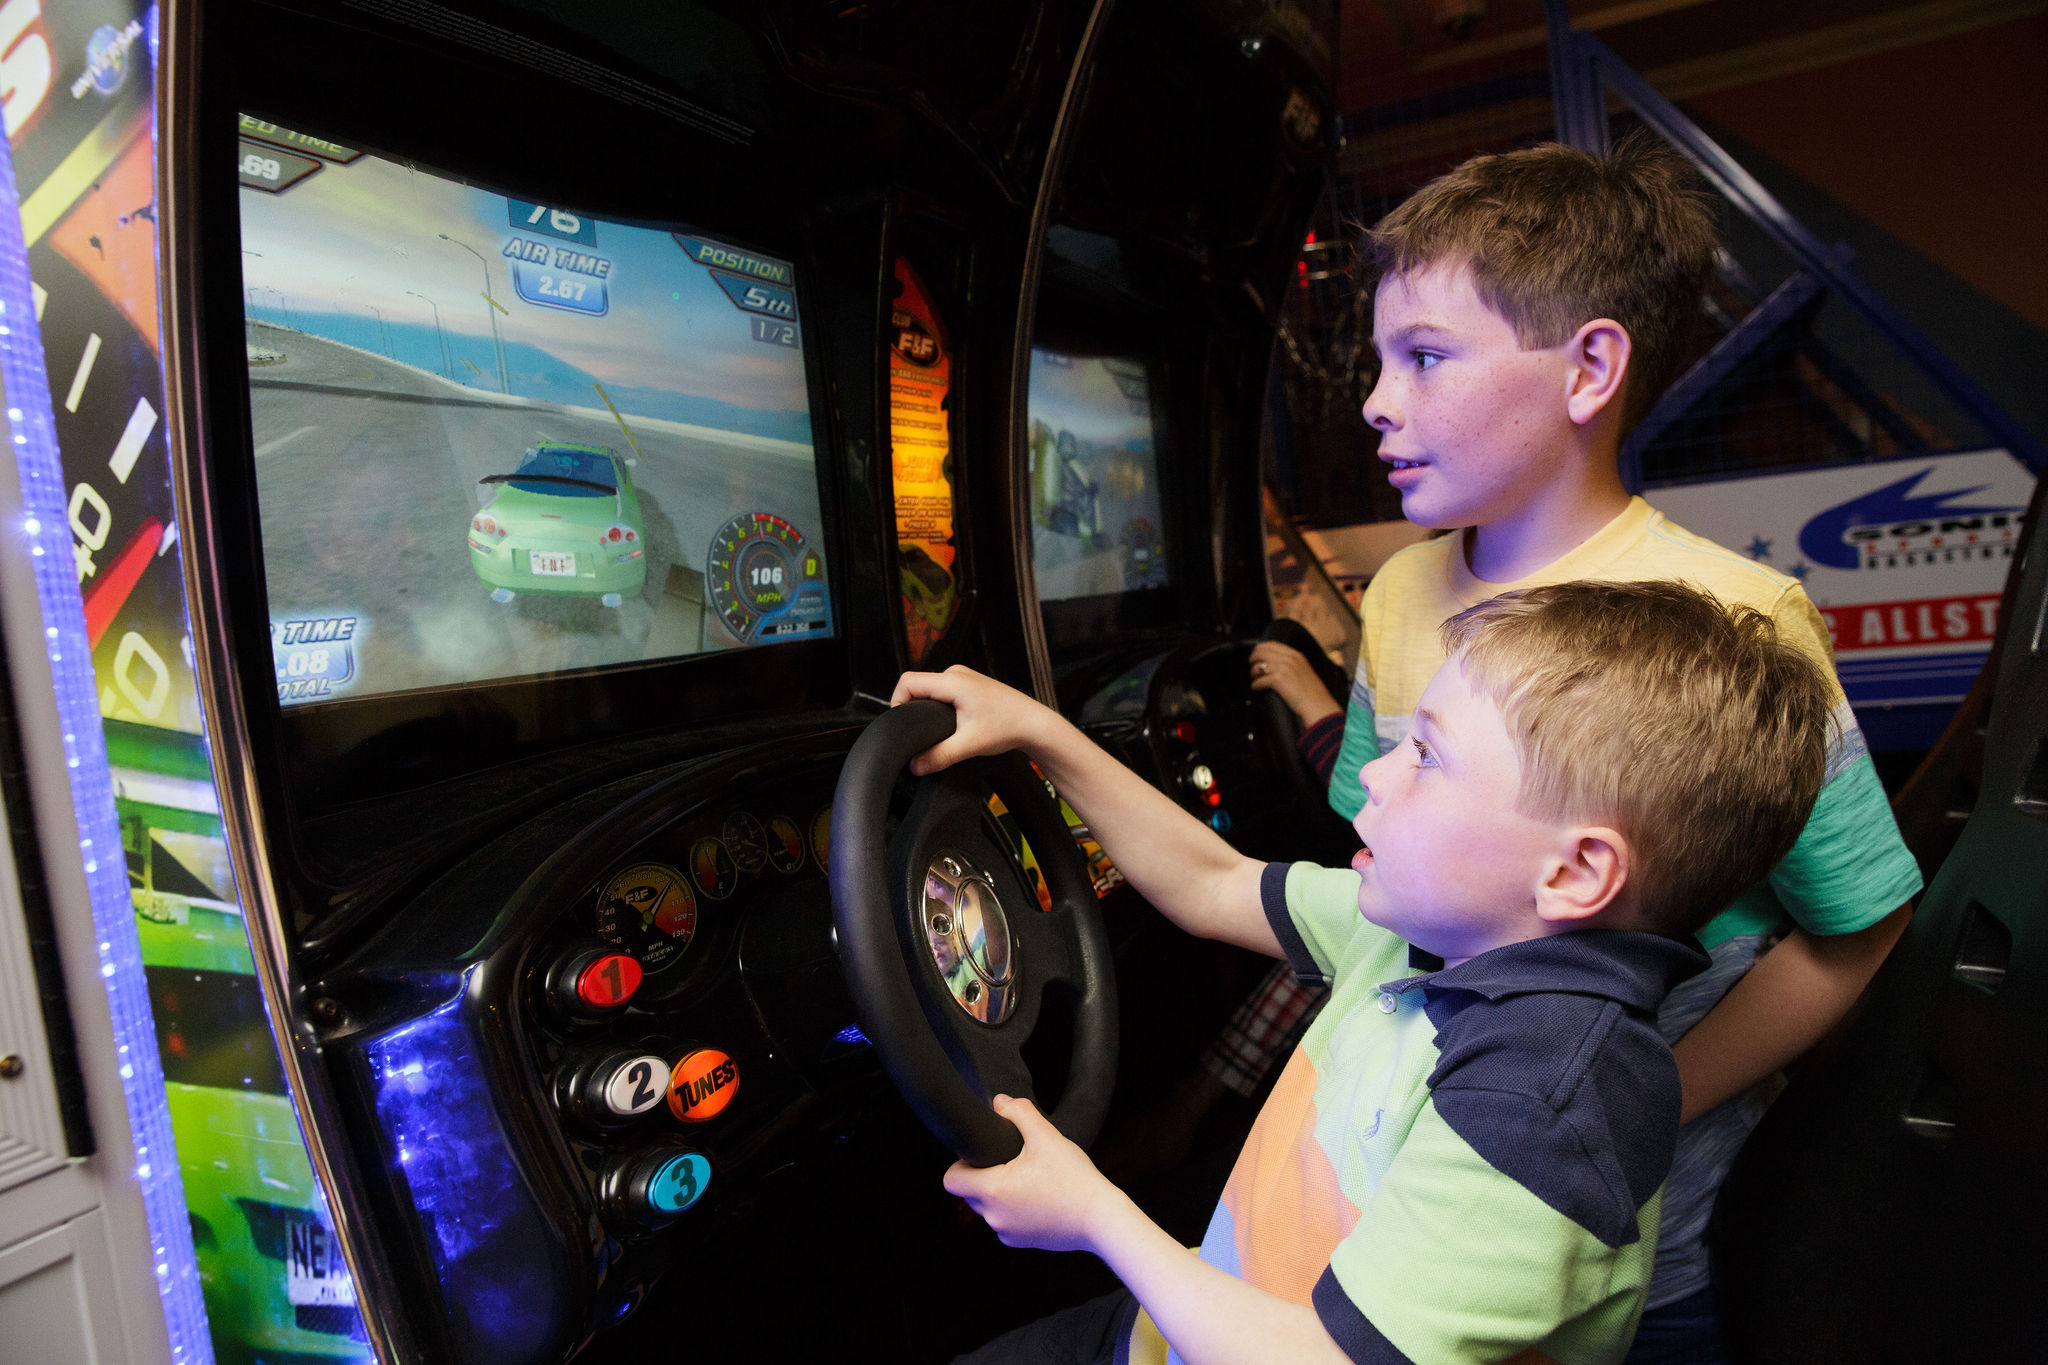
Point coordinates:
[(1905, 559)]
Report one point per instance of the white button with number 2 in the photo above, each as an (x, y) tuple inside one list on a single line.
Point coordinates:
[(636, 1087)]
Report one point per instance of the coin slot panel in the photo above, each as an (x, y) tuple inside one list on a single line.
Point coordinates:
[(2032, 798), (1930, 1114), (1983, 951)]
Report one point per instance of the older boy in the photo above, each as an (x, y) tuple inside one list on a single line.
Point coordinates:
[(1530, 308), (1459, 1163)]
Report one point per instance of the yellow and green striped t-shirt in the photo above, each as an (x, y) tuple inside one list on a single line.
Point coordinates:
[(1849, 868)]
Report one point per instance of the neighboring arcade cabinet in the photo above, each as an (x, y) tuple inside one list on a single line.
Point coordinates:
[(95, 1251), (1202, 147), (75, 1262), (1893, 1205)]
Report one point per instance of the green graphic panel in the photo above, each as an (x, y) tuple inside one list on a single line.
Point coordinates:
[(80, 128)]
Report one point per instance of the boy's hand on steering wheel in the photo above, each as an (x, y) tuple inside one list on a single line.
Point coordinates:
[(991, 717), (1287, 671), (1048, 1196)]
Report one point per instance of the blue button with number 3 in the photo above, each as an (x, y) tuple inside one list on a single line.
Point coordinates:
[(680, 1182)]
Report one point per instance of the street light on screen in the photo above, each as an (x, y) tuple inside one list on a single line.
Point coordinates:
[(497, 342), (447, 367)]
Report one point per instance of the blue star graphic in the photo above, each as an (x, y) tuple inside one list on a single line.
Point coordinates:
[(1759, 548), (1800, 570)]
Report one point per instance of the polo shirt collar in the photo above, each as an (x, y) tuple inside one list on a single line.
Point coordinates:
[(1634, 969)]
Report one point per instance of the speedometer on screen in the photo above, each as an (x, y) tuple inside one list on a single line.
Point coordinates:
[(765, 582)]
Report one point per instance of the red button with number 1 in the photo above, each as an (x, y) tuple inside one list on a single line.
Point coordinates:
[(608, 982)]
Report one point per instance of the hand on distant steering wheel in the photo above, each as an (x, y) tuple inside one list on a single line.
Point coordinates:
[(1285, 671)]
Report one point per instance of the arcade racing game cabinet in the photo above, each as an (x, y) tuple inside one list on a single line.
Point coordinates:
[(1175, 234), (534, 374)]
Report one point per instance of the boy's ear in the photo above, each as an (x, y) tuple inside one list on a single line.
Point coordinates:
[(1599, 353), (1586, 876)]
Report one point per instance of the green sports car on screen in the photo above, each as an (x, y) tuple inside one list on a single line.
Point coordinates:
[(566, 523)]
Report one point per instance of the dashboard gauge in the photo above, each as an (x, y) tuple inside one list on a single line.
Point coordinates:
[(821, 838), (746, 841), (716, 873), (766, 583), (785, 845), (648, 910)]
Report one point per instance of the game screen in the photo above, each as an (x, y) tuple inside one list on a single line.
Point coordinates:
[(1096, 523), (499, 439)]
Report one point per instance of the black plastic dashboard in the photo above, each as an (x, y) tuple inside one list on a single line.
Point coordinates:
[(579, 1054), (738, 1018)]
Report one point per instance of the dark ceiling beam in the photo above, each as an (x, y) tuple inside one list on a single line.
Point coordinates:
[(1427, 141)]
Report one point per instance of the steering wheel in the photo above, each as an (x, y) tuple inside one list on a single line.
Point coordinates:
[(945, 947)]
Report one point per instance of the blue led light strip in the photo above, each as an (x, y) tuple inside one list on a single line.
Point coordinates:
[(46, 532)]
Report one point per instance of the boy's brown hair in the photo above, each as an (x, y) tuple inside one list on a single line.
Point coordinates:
[(1650, 707), (1556, 237)]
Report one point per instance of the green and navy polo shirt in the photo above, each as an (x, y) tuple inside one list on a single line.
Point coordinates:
[(1462, 1164)]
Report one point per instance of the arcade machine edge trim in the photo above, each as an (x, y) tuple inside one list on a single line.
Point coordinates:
[(1059, 149), (179, 191)]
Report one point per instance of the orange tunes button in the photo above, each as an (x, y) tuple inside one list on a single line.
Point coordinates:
[(702, 1085)]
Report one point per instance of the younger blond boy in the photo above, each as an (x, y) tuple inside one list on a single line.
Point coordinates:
[(1462, 1161)]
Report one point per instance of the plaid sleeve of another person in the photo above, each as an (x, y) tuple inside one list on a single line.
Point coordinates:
[(1262, 1030)]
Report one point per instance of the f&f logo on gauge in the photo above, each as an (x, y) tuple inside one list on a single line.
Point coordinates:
[(314, 655)]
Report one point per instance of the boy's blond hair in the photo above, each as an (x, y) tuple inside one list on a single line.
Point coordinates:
[(1687, 726), (1555, 237)]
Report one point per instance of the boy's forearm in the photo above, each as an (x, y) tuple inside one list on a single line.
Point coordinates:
[(1787, 1003), (1211, 1318), (1172, 859)]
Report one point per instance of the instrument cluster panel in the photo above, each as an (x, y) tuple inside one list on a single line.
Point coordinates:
[(688, 1016)]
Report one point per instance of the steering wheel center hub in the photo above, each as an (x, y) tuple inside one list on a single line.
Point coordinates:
[(968, 936)]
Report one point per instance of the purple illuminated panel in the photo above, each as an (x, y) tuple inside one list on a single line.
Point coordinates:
[(446, 1149)]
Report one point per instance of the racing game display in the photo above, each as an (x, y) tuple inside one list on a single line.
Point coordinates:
[(500, 439), (1096, 524)]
